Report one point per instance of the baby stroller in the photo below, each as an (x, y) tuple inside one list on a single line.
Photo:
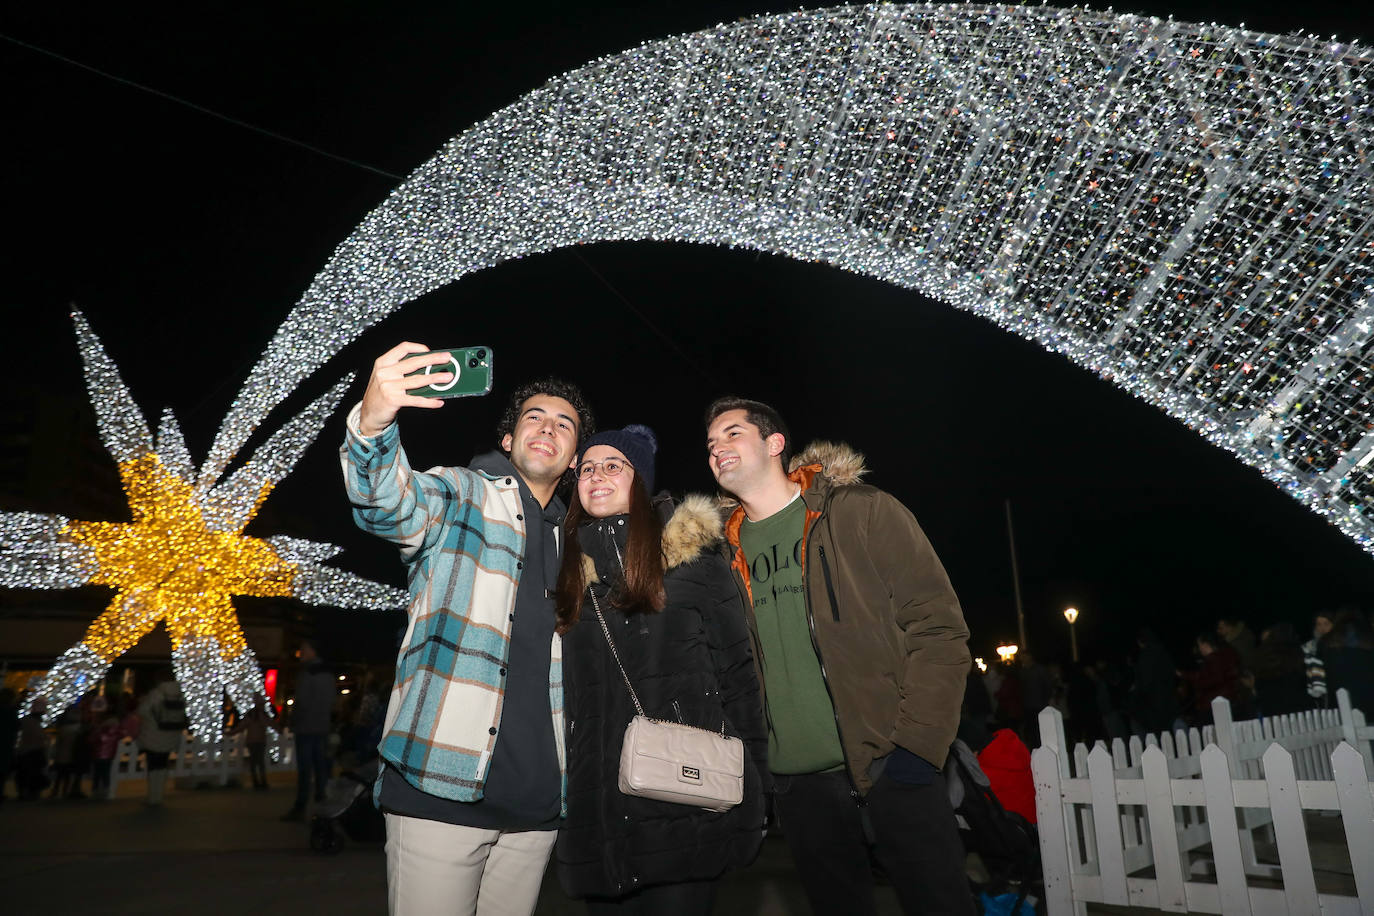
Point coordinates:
[(347, 812), (1006, 842)]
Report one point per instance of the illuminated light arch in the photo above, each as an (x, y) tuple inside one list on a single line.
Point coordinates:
[(1184, 209)]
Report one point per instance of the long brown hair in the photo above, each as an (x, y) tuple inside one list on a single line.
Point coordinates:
[(642, 588)]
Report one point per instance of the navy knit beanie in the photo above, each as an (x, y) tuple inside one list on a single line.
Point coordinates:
[(636, 443)]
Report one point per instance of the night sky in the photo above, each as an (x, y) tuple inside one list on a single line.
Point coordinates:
[(186, 240)]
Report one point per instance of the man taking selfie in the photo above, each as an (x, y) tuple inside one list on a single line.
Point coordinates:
[(473, 748), (862, 652)]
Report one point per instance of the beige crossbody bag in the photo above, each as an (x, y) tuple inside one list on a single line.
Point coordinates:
[(672, 762)]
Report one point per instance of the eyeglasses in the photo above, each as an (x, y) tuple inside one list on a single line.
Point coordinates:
[(611, 467)]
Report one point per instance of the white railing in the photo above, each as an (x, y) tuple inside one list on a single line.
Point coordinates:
[(204, 763), (1311, 736), (1149, 805)]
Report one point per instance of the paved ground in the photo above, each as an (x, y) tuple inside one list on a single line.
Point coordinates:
[(224, 851)]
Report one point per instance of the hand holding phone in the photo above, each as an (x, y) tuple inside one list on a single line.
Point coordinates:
[(391, 387), (470, 368)]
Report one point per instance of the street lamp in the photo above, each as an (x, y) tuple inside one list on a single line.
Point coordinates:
[(1071, 615), (982, 665), (1007, 654)]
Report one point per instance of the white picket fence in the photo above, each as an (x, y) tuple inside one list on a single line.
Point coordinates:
[(202, 763), (1129, 826)]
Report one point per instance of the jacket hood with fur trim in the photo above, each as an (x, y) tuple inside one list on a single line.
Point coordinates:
[(839, 462), (695, 527)]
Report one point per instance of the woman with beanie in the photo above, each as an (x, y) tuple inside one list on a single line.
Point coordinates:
[(679, 628)]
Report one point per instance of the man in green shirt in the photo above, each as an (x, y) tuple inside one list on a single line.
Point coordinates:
[(802, 737), (862, 654)]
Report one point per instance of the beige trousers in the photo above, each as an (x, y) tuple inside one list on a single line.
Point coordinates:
[(435, 869)]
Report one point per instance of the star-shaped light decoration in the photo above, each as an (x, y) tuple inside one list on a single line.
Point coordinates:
[(182, 557)]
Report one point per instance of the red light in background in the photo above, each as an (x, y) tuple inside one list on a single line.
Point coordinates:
[(269, 684)]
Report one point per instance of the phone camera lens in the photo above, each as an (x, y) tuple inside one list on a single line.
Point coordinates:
[(472, 363), (481, 354)]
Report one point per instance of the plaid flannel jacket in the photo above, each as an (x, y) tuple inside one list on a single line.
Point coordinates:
[(463, 542)]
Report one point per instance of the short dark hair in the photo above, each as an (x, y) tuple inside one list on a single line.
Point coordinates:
[(555, 388), (768, 420)]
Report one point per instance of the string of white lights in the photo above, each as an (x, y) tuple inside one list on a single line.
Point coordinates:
[(1185, 209)]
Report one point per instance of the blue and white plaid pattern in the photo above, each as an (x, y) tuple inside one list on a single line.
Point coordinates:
[(463, 541)]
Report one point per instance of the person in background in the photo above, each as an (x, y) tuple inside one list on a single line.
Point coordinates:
[(1010, 707), (66, 780), (1348, 656), (1217, 675), (1037, 692), (253, 725), (667, 597), (91, 708), (992, 686), (1239, 637), (1280, 677), (311, 714), (114, 726), (9, 735), (162, 724), (1006, 761), (1113, 696), (1152, 702), (31, 753), (1084, 720), (1312, 660), (371, 715), (975, 713)]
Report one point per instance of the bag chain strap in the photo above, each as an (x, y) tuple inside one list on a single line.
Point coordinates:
[(601, 618), (614, 654)]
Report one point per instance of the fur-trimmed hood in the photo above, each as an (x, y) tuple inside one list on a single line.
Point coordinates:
[(694, 527), (840, 463)]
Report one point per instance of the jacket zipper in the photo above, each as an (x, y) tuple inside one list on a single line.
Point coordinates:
[(829, 588)]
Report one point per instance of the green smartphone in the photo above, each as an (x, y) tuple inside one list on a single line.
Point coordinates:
[(471, 368)]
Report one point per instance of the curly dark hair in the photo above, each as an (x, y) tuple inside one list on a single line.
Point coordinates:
[(768, 420), (553, 387)]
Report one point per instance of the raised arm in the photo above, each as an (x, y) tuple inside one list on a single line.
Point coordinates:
[(389, 499)]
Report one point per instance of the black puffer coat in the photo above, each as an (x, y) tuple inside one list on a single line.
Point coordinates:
[(690, 662)]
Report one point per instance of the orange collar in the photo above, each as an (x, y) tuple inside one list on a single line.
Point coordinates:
[(803, 476)]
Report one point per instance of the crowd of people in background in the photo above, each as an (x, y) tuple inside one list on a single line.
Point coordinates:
[(74, 757), (1273, 674)]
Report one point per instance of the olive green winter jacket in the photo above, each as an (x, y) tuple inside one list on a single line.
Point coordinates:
[(884, 618)]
